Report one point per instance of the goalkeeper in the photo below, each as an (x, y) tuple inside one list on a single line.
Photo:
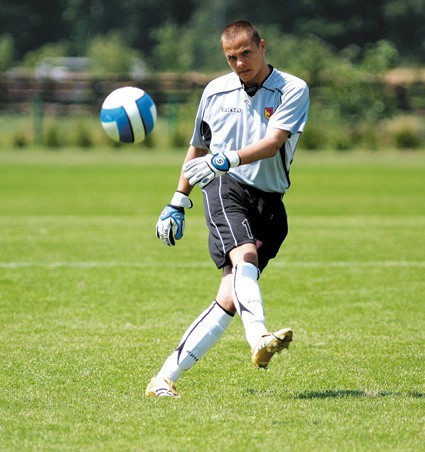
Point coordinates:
[(246, 132)]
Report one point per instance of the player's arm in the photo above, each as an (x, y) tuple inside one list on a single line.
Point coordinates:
[(171, 222), (203, 170), (262, 149)]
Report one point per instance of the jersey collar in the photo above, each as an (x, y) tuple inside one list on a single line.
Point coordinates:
[(253, 89)]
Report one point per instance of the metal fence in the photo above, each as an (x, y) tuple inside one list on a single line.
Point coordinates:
[(82, 93)]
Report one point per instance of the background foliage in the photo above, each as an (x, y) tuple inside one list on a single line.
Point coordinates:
[(341, 48), (145, 24)]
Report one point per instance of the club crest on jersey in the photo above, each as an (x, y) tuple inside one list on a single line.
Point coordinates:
[(268, 111)]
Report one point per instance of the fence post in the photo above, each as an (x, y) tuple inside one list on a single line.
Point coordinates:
[(172, 112), (37, 112)]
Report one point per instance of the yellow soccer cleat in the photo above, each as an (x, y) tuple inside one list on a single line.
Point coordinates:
[(268, 345), (161, 387)]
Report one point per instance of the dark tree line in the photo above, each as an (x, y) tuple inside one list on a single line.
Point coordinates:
[(33, 23)]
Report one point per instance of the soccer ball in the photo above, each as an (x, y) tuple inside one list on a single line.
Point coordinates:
[(128, 115)]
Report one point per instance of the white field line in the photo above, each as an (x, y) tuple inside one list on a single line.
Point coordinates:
[(117, 264)]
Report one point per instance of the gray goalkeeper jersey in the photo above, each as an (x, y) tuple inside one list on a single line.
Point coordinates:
[(228, 119)]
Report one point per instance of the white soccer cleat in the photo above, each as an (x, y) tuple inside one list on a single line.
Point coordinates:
[(161, 387), (268, 345)]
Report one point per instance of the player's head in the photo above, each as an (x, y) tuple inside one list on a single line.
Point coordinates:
[(245, 51), (240, 27)]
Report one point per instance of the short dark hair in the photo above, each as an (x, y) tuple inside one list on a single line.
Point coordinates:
[(232, 30)]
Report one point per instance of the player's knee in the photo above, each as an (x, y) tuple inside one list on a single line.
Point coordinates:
[(251, 258), (227, 304), (246, 253)]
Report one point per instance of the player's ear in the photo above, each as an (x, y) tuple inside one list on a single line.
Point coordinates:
[(263, 45)]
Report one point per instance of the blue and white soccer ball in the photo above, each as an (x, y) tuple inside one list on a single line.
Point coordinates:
[(128, 115)]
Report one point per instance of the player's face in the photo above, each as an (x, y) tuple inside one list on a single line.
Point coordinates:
[(246, 58)]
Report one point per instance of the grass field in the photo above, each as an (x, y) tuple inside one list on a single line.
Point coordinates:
[(91, 303)]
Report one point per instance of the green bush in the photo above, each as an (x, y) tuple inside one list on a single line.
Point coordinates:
[(324, 130), (341, 141), (178, 139), (313, 138), (20, 140), (407, 138), (83, 138), (149, 141), (52, 136), (367, 137), (405, 132)]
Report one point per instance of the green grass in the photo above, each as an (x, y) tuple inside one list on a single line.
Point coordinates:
[(91, 303)]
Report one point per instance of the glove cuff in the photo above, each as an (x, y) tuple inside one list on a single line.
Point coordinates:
[(179, 199), (233, 158)]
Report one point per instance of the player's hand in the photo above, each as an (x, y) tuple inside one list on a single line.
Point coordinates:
[(203, 170), (170, 225)]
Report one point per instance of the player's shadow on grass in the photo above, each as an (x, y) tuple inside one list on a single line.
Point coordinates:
[(343, 393)]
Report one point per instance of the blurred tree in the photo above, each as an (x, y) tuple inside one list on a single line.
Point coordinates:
[(339, 23), (32, 23), (307, 57), (7, 52), (76, 16), (206, 21), (405, 26), (33, 58), (181, 49), (166, 54), (380, 57), (136, 19), (110, 55)]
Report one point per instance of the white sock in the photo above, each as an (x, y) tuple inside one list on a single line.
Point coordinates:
[(248, 301), (202, 334)]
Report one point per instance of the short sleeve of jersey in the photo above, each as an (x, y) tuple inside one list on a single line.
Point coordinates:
[(291, 115), (198, 140)]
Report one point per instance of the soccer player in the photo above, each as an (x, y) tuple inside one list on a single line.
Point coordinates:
[(246, 131)]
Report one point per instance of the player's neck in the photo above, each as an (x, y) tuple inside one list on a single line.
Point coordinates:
[(253, 86), (261, 77)]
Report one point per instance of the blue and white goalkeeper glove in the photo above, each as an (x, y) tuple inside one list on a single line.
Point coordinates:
[(170, 225), (203, 170)]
